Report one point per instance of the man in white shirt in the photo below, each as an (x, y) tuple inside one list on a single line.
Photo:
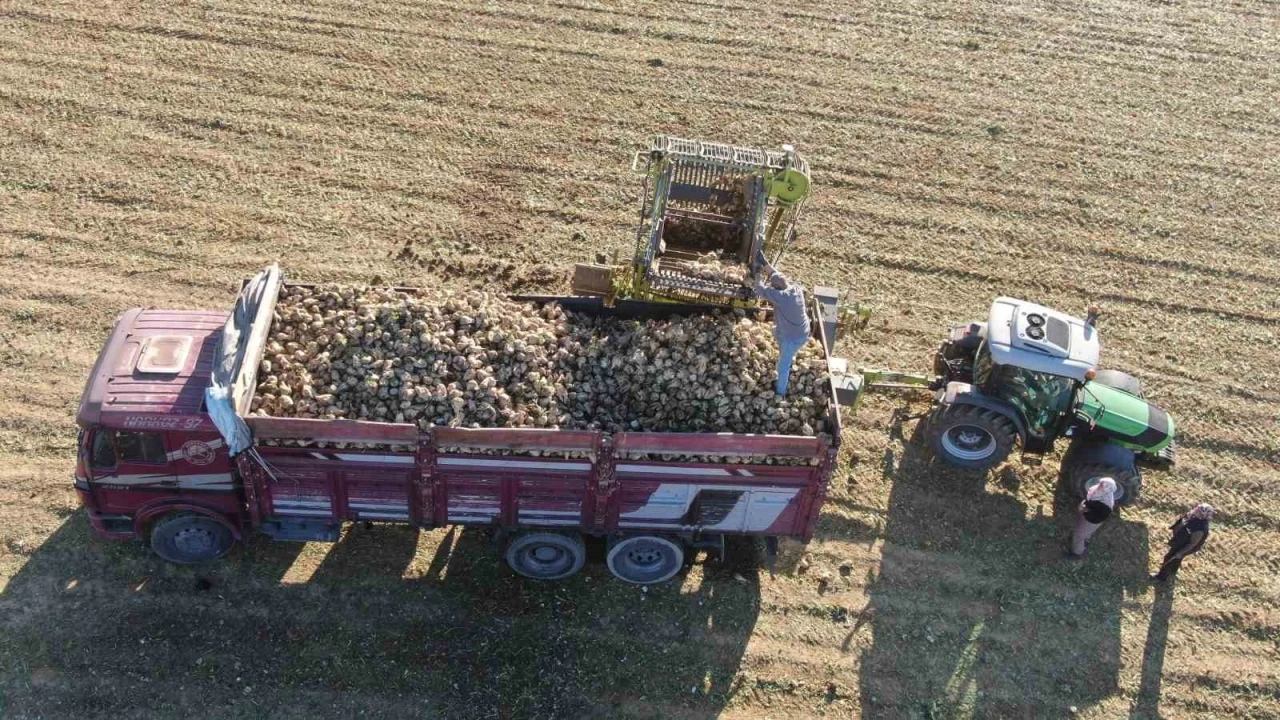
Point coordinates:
[(790, 319)]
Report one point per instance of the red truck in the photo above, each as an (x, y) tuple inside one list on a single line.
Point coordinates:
[(169, 454)]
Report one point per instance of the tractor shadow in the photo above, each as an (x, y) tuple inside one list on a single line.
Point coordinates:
[(389, 621), (976, 612)]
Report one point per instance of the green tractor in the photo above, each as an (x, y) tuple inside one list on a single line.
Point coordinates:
[(1029, 374)]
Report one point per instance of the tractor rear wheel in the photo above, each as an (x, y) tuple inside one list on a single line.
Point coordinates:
[(1088, 461), (971, 437)]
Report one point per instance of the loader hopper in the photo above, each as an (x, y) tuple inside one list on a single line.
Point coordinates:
[(708, 211)]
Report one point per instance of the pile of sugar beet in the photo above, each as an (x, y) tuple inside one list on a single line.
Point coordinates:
[(481, 360)]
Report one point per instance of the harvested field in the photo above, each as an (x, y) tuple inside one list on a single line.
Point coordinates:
[(1122, 153)]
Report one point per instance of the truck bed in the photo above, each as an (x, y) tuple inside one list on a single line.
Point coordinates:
[(599, 492), (255, 335), (594, 481)]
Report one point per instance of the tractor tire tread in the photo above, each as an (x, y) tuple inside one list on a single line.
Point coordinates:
[(1127, 478), (1001, 428)]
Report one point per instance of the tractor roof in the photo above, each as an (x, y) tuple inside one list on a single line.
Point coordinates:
[(1040, 339)]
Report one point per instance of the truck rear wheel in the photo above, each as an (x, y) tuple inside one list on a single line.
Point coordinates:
[(546, 555), (1088, 462), (971, 437), (645, 559), (190, 538)]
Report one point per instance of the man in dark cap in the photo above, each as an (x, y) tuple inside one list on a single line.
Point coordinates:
[(1189, 535)]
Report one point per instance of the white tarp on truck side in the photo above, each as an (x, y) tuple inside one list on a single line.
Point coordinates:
[(235, 368)]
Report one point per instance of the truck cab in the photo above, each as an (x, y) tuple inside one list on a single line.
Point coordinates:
[(147, 448)]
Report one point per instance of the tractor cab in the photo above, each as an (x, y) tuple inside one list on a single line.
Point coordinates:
[(1035, 358), (1029, 374), (1039, 397)]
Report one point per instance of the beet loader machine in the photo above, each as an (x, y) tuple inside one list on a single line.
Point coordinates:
[(709, 211), (1029, 375)]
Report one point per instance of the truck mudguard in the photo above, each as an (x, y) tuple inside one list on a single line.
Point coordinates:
[(150, 512)]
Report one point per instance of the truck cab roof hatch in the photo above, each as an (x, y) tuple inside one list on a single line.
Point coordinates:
[(166, 354)]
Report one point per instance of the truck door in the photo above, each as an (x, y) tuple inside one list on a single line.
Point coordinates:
[(200, 462), (124, 462)]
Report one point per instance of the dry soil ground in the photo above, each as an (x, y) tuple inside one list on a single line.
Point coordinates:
[(1120, 152)]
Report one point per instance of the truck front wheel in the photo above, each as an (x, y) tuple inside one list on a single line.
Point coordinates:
[(971, 437), (187, 539), (1088, 461)]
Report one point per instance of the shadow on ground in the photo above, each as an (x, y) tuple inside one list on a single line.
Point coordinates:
[(1147, 704), (94, 628), (976, 613)]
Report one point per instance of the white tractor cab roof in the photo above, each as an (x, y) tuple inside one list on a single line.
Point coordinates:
[(1040, 339)]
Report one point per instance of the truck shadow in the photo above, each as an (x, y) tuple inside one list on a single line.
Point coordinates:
[(389, 622), (975, 611)]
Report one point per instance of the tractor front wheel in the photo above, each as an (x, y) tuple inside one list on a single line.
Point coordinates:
[(971, 437), (1128, 481), (1087, 462)]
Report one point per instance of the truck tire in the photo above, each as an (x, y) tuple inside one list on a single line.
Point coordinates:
[(645, 559), (189, 538), (546, 555), (1119, 381), (1089, 461), (971, 437)]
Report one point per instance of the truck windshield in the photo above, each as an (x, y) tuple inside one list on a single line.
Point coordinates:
[(1040, 397)]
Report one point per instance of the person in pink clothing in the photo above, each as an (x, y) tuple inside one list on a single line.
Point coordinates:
[(1090, 514)]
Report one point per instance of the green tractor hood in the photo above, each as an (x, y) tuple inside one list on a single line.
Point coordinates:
[(1124, 419)]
